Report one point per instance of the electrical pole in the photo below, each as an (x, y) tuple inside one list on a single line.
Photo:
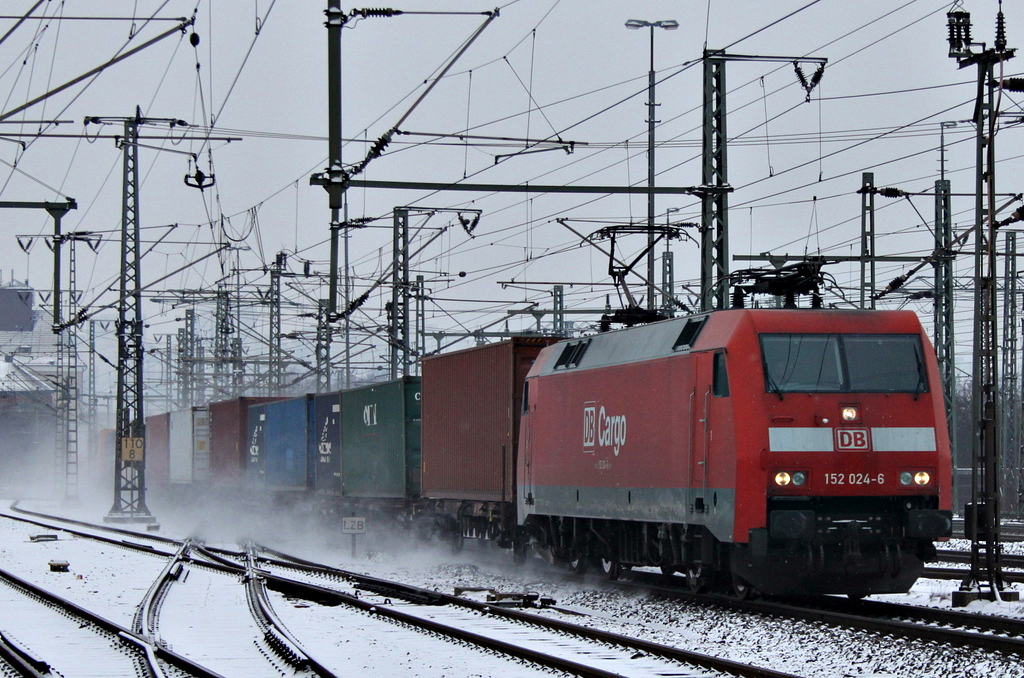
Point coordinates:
[(1010, 433), (981, 515), (945, 339), (130, 437), (399, 332), (715, 189), (323, 347), (68, 390), (867, 241), (222, 339), (276, 366), (669, 25), (187, 361)]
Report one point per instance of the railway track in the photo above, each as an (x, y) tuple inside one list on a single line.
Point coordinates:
[(446, 614), (88, 639), (546, 643), (983, 633), (275, 582)]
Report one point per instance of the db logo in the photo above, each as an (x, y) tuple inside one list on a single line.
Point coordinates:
[(589, 426), (852, 439)]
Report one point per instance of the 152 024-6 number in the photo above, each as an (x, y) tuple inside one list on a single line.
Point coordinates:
[(854, 479)]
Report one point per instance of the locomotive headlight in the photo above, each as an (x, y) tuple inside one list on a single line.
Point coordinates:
[(799, 478), (850, 413), (782, 478), (918, 478)]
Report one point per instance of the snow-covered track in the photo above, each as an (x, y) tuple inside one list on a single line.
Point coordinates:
[(486, 624), (100, 635), (960, 629)]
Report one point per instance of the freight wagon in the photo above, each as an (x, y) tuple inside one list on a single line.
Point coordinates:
[(229, 426), (471, 408)]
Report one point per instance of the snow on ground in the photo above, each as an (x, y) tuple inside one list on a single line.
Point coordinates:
[(803, 649)]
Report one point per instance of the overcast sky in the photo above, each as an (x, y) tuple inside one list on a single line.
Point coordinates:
[(544, 69)]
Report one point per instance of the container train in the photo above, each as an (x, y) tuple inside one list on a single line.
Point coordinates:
[(772, 450)]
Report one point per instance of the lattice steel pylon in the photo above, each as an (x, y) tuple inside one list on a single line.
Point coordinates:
[(275, 372), (714, 239), (130, 422), (68, 390), (1010, 424), (981, 515), (222, 342), (945, 346), (715, 188)]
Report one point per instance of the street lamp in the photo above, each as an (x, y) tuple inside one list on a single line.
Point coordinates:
[(669, 25)]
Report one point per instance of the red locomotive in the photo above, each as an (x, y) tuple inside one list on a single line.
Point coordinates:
[(788, 451)]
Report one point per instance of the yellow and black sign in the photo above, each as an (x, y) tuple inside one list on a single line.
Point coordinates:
[(132, 449)]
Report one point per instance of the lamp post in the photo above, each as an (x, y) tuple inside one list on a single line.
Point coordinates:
[(669, 25)]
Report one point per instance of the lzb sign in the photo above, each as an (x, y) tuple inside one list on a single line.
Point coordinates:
[(351, 525)]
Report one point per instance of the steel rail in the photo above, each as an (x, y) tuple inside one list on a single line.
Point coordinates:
[(143, 644), (21, 660), (277, 636), (405, 591), (855, 615)]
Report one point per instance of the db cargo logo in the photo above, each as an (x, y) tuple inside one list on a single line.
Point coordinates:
[(852, 439), (602, 430)]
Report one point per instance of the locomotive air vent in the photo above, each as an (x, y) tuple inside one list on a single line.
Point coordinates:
[(572, 354), (689, 334)]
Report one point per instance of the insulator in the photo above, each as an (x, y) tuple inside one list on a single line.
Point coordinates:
[(738, 298), (954, 34), (890, 192), (1013, 84), (816, 78), (800, 75), (379, 146), (896, 283), (377, 11), (1000, 32)]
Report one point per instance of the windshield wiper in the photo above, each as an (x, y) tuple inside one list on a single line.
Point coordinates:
[(772, 386)]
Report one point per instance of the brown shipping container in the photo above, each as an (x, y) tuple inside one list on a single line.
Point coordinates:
[(471, 407), (158, 449), (229, 439)]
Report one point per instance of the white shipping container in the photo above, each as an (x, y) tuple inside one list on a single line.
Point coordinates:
[(181, 447), (201, 445)]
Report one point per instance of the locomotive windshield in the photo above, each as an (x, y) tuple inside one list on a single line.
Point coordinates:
[(843, 363)]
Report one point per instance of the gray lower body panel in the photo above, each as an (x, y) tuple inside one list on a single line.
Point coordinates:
[(712, 507)]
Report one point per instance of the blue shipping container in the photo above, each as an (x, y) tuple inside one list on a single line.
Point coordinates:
[(289, 444), (327, 434)]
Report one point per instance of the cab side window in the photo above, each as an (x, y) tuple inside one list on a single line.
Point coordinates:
[(719, 377)]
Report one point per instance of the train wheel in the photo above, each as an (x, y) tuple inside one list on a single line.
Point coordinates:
[(611, 568), (456, 543), (519, 553), (578, 564), (742, 588), (697, 578)]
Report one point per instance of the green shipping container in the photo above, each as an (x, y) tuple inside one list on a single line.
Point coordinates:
[(380, 440)]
